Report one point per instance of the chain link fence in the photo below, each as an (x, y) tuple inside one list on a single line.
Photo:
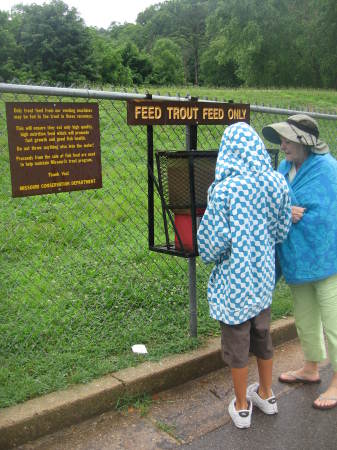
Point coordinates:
[(78, 285)]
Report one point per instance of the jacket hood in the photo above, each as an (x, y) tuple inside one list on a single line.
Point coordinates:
[(241, 152)]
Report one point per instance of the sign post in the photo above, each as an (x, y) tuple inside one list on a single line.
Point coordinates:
[(191, 145)]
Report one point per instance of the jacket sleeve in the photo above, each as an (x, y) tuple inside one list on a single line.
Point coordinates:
[(214, 238), (284, 216)]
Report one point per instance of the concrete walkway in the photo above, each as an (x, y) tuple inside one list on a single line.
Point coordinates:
[(297, 426), (48, 414)]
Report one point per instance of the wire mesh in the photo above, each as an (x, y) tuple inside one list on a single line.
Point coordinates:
[(174, 168), (78, 284)]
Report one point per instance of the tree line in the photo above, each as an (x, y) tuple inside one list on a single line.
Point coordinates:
[(228, 43)]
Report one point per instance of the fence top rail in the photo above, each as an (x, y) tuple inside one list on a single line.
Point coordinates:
[(283, 111), (110, 95)]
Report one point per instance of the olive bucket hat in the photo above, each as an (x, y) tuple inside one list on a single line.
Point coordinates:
[(299, 128)]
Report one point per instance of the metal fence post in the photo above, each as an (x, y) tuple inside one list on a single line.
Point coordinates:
[(191, 145), (150, 193)]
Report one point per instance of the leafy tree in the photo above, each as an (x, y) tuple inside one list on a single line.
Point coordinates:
[(167, 63), (137, 62), (8, 48), (324, 34), (217, 68), (54, 42), (109, 61), (259, 38), (159, 20), (191, 26), (128, 32), (182, 21)]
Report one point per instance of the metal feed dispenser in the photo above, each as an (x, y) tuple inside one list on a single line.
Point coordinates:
[(183, 181)]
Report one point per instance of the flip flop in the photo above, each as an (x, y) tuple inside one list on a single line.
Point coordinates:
[(333, 405), (297, 379)]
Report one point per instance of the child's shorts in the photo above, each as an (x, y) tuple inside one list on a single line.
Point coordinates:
[(250, 336)]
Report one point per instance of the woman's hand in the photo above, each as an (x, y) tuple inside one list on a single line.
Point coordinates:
[(297, 213)]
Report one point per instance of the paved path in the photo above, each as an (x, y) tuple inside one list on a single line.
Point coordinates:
[(194, 416), (298, 426)]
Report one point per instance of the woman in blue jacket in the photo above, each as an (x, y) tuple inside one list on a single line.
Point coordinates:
[(248, 211), (308, 257)]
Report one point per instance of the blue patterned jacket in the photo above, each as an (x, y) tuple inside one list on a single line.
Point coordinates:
[(248, 211), (310, 251)]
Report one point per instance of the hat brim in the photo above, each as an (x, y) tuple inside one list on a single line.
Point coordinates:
[(275, 131)]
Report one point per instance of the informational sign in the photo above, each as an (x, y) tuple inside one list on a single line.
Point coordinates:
[(53, 147), (149, 112)]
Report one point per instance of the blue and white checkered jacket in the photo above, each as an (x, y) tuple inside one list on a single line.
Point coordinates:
[(248, 211)]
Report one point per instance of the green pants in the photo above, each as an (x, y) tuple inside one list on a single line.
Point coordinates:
[(315, 310)]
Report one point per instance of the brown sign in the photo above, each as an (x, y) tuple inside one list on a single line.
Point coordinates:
[(53, 147), (148, 112)]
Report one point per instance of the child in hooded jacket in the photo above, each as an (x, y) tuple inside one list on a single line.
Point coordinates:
[(248, 212)]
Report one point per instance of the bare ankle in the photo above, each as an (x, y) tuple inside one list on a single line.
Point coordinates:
[(240, 405), (333, 383), (264, 393), (310, 367)]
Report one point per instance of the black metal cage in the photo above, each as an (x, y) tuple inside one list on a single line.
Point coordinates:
[(183, 181)]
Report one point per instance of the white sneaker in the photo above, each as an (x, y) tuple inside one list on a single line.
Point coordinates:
[(268, 406), (242, 418)]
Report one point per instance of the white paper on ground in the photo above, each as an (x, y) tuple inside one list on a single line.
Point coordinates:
[(139, 348)]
